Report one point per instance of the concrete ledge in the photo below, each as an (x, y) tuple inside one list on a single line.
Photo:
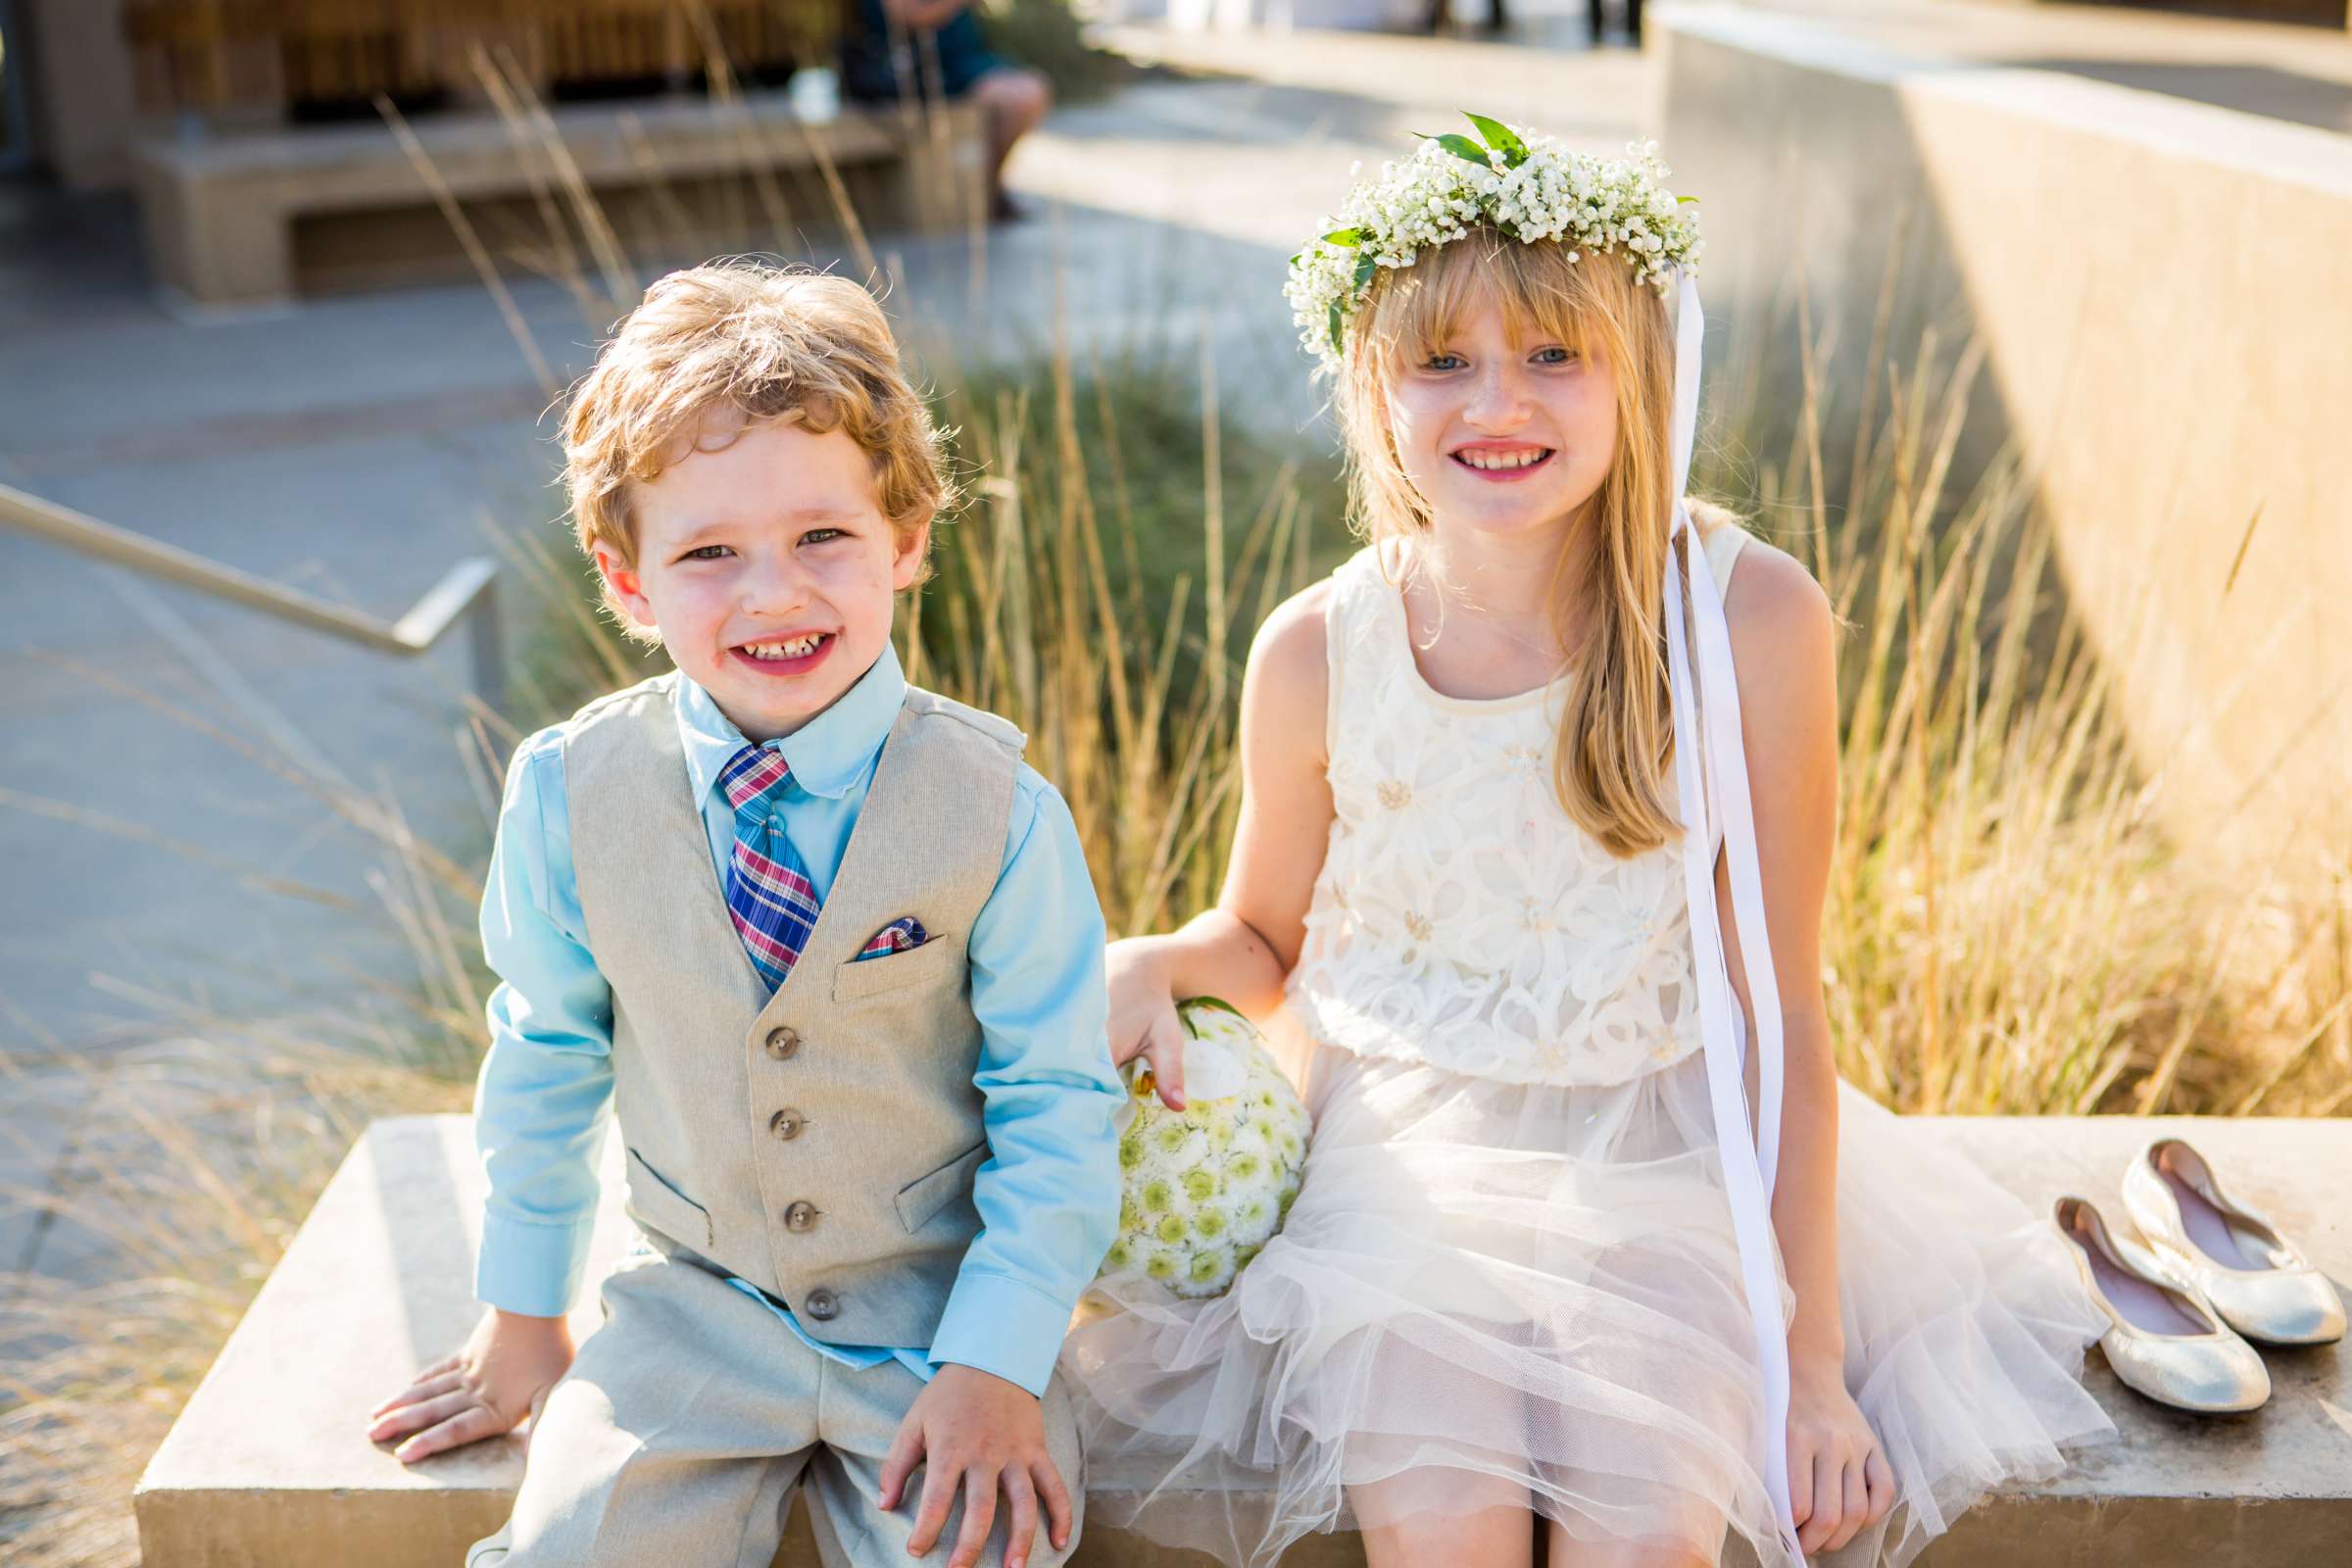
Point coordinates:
[(221, 209), (268, 1466)]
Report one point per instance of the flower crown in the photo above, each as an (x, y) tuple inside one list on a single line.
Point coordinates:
[(1527, 185)]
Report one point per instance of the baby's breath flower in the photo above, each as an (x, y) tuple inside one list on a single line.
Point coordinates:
[(1527, 185)]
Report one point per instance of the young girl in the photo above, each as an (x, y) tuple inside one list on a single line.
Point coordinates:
[(1532, 1286)]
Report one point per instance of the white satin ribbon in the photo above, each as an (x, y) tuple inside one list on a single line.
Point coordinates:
[(1750, 1162)]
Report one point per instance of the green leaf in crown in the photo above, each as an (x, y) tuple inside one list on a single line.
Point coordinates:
[(1464, 147), (1500, 137)]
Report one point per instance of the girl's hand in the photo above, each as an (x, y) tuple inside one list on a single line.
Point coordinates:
[(1839, 1481), (501, 1377), (1142, 1015)]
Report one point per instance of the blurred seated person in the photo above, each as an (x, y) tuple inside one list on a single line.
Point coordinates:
[(1441, 17), (932, 49), (1633, 21)]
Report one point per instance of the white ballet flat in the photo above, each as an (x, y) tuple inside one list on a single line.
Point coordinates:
[(2260, 1283), (2162, 1339)]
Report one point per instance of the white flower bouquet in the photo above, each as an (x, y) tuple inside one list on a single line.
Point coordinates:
[(1202, 1189)]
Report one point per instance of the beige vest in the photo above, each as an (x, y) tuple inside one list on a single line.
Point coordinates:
[(821, 1143)]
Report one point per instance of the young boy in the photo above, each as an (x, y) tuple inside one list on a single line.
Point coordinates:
[(830, 951)]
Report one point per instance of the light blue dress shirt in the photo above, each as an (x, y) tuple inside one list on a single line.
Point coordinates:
[(1048, 1195)]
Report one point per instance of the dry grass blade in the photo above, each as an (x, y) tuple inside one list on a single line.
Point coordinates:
[(476, 253)]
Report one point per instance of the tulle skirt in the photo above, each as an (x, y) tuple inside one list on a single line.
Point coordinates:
[(1491, 1293)]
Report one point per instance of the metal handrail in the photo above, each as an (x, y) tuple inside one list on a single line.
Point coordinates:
[(469, 590)]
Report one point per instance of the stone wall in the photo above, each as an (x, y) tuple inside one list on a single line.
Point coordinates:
[(2164, 291)]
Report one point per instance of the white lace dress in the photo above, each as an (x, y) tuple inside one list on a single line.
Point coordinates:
[(1510, 1276)]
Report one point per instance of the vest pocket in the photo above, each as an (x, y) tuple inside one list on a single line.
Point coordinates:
[(924, 1196), (655, 1202), (935, 960)]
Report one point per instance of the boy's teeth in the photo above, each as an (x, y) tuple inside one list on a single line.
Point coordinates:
[(1500, 459), (791, 649)]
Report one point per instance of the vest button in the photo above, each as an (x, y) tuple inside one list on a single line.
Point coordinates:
[(800, 1216), (787, 1123), (782, 1043), (822, 1304)]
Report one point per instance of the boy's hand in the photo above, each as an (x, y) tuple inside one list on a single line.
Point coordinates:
[(1142, 1015), (972, 1428), (503, 1374)]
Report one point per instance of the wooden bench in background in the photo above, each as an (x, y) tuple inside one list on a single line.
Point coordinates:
[(268, 162), (223, 211)]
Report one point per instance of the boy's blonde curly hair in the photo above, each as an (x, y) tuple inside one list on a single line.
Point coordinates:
[(716, 349)]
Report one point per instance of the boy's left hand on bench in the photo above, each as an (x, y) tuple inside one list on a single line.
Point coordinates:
[(974, 1430)]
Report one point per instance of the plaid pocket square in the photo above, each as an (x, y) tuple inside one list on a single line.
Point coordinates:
[(896, 937)]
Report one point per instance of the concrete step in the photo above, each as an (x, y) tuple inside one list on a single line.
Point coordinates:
[(268, 1466)]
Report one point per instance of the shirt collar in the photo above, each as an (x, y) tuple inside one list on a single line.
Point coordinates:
[(826, 755)]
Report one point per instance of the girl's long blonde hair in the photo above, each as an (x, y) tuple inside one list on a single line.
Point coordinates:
[(1611, 765)]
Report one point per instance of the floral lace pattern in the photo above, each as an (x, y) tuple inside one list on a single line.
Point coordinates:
[(1462, 917)]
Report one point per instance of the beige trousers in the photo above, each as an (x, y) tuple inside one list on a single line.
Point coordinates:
[(682, 1427)]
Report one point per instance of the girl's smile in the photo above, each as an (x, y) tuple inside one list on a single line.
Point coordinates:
[(1501, 462)]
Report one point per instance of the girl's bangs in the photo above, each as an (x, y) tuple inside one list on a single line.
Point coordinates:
[(1541, 293)]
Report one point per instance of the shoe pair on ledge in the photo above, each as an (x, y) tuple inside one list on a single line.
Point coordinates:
[(2211, 1271)]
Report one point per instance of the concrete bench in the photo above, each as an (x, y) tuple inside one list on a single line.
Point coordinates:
[(221, 209), (268, 1466)]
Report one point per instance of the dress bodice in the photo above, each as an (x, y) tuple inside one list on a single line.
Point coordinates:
[(1461, 916)]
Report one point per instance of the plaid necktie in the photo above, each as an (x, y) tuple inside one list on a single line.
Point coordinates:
[(768, 892)]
